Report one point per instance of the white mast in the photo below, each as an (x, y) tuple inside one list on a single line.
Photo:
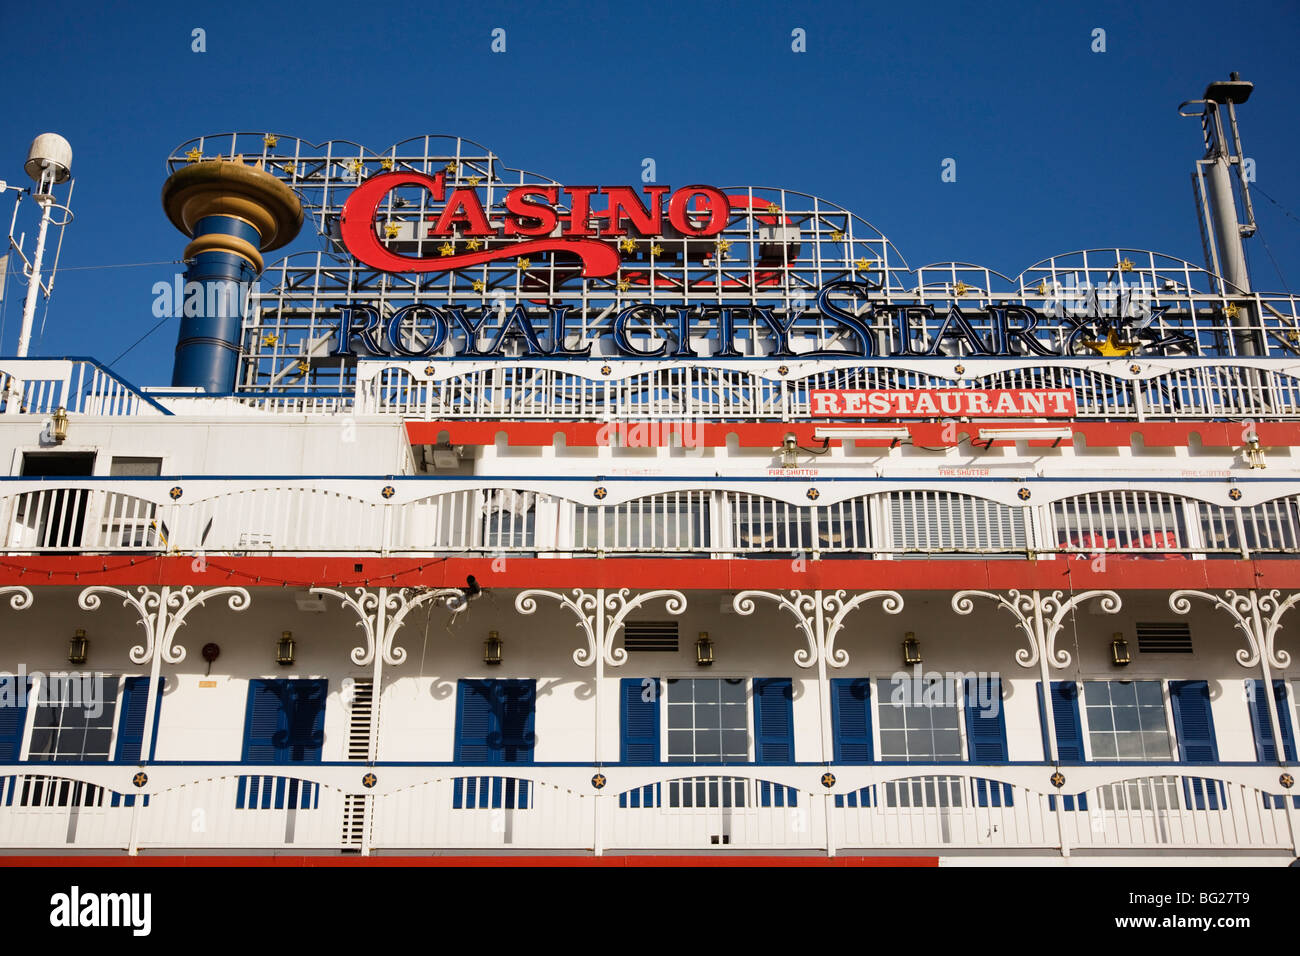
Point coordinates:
[(49, 162)]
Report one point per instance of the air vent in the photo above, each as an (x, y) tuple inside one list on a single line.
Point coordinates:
[(650, 636), (360, 718), (1164, 638)]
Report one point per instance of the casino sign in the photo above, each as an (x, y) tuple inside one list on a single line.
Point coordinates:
[(434, 249)]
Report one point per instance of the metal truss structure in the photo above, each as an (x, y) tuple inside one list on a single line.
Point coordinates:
[(777, 250)]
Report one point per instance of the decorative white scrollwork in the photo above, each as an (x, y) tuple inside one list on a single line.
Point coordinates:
[(801, 606), (22, 597), (380, 634), (674, 603), (180, 603), (364, 606), (1040, 617), (839, 608), (1257, 615), (153, 613), (146, 604), (583, 605)]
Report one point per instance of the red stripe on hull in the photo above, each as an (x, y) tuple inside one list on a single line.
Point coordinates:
[(493, 861), (1122, 573)]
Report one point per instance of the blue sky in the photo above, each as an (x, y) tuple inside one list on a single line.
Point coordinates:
[(1057, 147)]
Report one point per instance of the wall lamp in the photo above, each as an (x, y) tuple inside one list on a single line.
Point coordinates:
[(704, 650), (1119, 650), (911, 649), (893, 434), (78, 647), (284, 648), (492, 648), (59, 425), (1056, 435)]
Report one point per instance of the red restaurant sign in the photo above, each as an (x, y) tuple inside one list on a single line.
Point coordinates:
[(946, 403)]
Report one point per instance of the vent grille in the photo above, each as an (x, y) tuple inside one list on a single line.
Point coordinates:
[(361, 716), (650, 636), (354, 821), (1164, 638)]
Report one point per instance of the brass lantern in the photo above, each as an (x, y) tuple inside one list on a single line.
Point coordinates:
[(911, 649), (59, 425), (492, 648), (704, 650), (284, 649), (78, 647), (1119, 650)]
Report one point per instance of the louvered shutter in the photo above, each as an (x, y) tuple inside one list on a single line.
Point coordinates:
[(130, 721), (1065, 713), (13, 718), (1193, 721), (1265, 748), (304, 722), (516, 706), (986, 724), (639, 719), (474, 720), (773, 720), (851, 718), (262, 720)]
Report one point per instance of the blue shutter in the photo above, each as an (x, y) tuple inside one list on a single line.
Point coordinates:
[(986, 726), (13, 718), (1065, 713), (473, 720), (773, 720), (262, 720), (851, 718), (639, 720), (130, 723), (304, 722), (1265, 747), (285, 721), (494, 721), (517, 706), (1193, 722)]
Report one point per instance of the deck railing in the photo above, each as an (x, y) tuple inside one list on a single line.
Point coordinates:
[(913, 809), (699, 390), (1122, 390), (882, 519), (78, 385)]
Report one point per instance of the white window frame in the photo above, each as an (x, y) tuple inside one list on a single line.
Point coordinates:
[(960, 696), (34, 700), (1087, 730), (663, 714)]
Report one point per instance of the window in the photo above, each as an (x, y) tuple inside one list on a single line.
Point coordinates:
[(74, 719), (285, 721), (919, 720), (494, 721), (135, 467), (1126, 720), (509, 519), (708, 720)]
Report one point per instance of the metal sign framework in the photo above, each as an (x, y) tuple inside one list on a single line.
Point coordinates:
[(778, 249)]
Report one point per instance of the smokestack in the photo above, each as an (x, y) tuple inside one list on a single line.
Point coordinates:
[(232, 213)]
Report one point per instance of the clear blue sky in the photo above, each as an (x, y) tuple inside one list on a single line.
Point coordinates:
[(1057, 148)]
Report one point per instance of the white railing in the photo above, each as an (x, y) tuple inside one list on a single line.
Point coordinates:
[(79, 386), (867, 808), (701, 389), (695, 390), (886, 519)]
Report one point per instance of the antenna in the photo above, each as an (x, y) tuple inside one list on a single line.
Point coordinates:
[(49, 163), (1224, 231)]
